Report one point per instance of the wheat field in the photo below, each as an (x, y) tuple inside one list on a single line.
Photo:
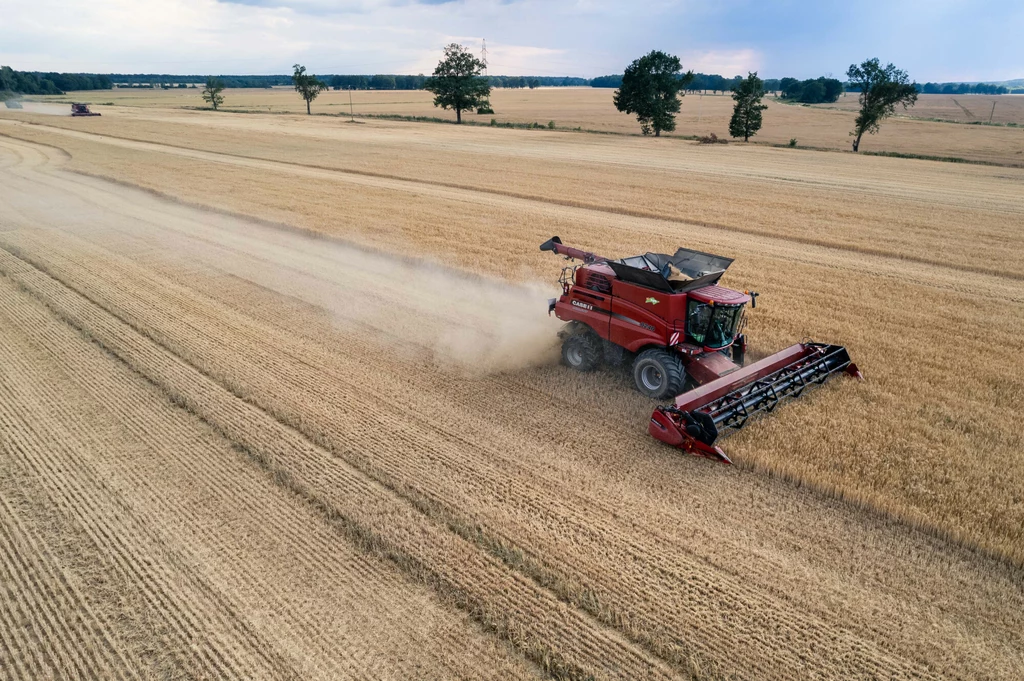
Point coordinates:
[(820, 126), (279, 399)]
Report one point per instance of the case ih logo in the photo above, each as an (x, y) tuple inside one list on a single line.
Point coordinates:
[(585, 306)]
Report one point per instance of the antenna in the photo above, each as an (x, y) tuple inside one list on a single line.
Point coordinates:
[(483, 55)]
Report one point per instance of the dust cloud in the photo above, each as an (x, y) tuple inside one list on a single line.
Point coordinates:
[(413, 308), (474, 324), (46, 108)]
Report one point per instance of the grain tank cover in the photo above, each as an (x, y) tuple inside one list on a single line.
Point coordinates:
[(694, 264), (646, 274), (695, 269)]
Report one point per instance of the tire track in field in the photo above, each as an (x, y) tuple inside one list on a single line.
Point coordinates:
[(784, 169), (705, 589), (888, 267), (481, 390), (482, 408), (576, 210), (467, 575), (152, 595), (72, 637), (161, 437), (941, 276), (456, 432), (458, 429)]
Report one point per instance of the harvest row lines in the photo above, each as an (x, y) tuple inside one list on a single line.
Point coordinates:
[(532, 619), (164, 310)]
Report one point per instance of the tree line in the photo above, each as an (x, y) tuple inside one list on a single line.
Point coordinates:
[(38, 83), (652, 85), (400, 82), (962, 89), (650, 88), (811, 91)]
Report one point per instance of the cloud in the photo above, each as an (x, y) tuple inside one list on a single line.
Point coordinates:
[(336, 7), (724, 62), (932, 40)]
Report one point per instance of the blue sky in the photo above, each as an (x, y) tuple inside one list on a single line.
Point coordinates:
[(937, 40)]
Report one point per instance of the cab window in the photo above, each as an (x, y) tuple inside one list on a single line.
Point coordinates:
[(698, 315)]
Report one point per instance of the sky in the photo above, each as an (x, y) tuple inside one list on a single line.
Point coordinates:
[(933, 40)]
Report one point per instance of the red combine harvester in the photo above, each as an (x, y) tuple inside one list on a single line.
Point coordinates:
[(684, 334), (82, 110)]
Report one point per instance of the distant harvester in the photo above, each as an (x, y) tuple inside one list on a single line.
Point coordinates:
[(79, 109)]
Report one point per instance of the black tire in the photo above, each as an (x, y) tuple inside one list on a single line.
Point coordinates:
[(659, 374), (582, 352)]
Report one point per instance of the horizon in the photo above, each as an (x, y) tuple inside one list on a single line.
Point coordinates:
[(1011, 81)]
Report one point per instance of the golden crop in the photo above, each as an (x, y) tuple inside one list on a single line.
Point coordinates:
[(327, 460)]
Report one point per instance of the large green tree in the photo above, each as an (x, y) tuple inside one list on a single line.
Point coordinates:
[(8, 80), (457, 82), (881, 90), (307, 85), (212, 92), (650, 89), (746, 114)]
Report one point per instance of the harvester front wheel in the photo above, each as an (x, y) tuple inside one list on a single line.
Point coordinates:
[(582, 351), (659, 374)]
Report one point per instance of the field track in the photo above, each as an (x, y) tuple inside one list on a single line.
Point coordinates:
[(220, 466)]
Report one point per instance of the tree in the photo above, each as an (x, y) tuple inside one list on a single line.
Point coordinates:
[(650, 89), (457, 83), (746, 114), (881, 89), (307, 85), (383, 82), (833, 88), (813, 91), (606, 81), (8, 79), (212, 92)]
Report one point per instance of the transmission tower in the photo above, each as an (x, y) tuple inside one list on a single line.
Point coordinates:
[(483, 56)]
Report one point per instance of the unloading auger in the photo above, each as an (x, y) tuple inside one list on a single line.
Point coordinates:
[(684, 336)]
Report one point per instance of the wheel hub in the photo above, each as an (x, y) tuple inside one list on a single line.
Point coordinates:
[(651, 377)]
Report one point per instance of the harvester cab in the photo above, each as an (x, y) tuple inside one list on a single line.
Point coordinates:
[(684, 335)]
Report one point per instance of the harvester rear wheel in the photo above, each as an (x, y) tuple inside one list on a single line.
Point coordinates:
[(659, 374), (582, 351)]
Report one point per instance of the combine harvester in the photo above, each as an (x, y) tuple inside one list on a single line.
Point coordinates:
[(685, 335), (79, 109)]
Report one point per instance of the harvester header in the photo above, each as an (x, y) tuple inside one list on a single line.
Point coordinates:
[(683, 335)]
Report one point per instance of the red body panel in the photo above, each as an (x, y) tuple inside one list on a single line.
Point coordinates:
[(711, 366), (711, 391), (636, 317)]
